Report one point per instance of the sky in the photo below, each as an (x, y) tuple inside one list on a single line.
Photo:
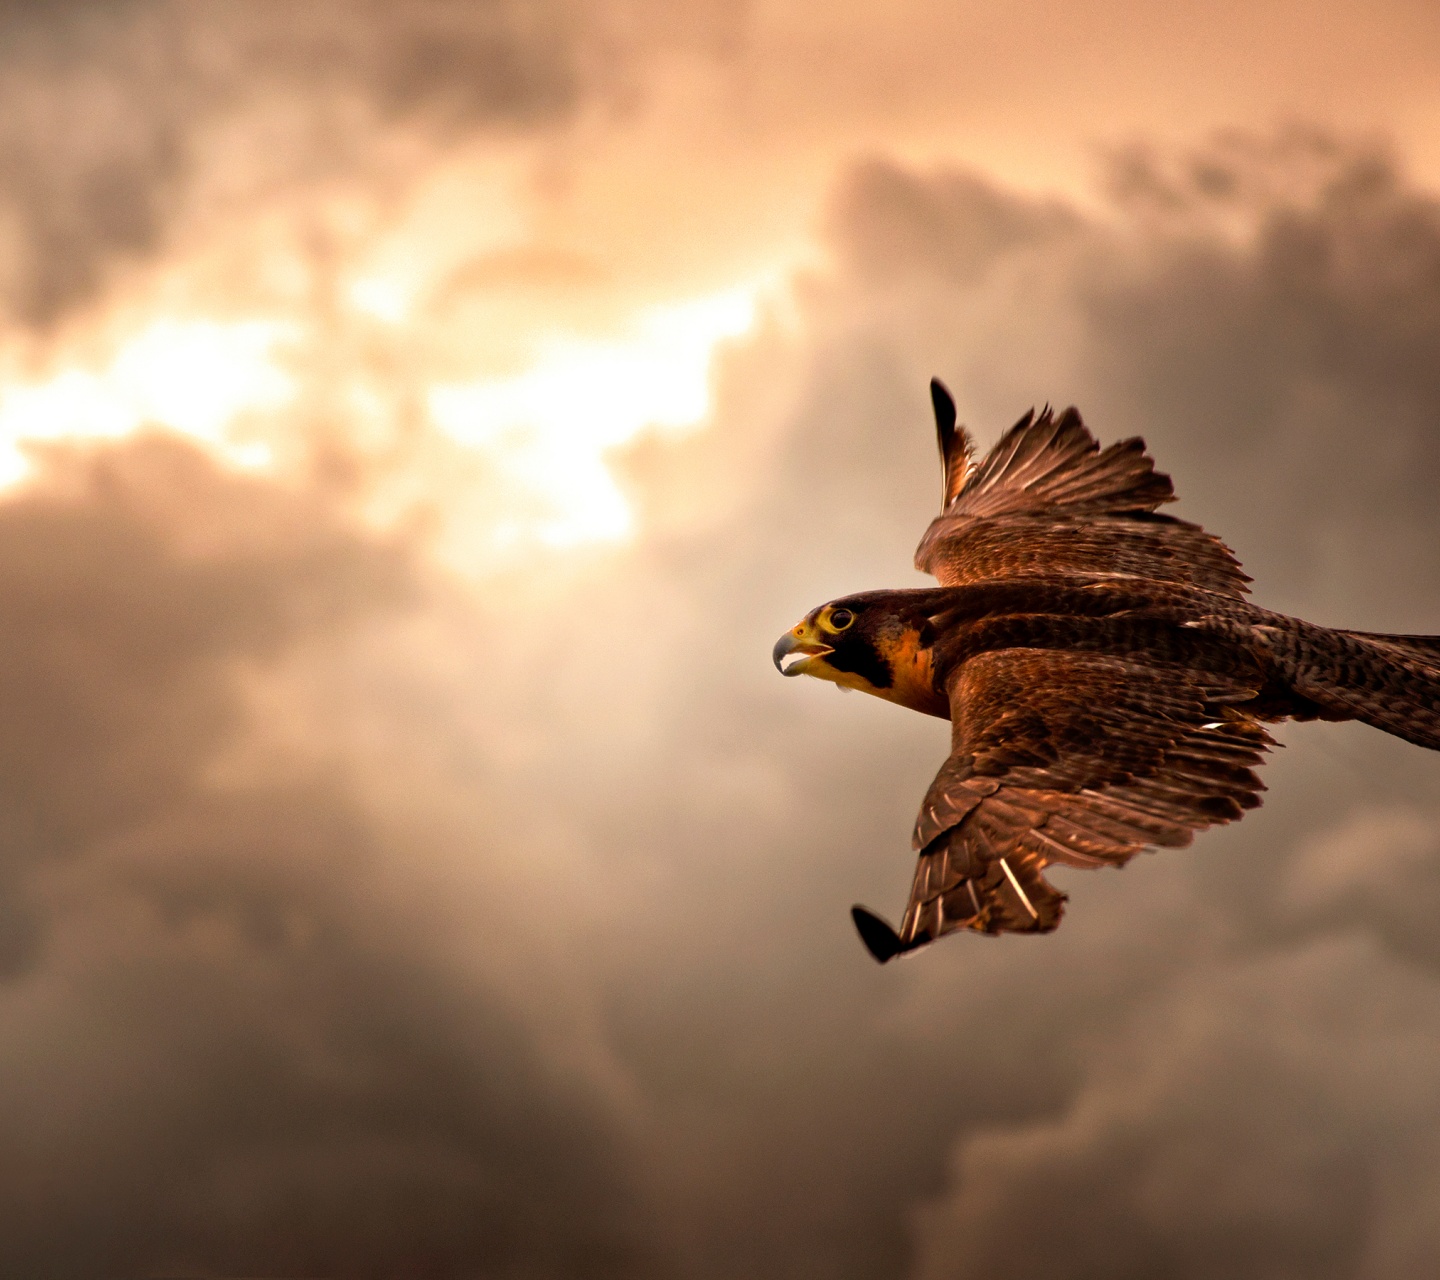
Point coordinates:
[(417, 423)]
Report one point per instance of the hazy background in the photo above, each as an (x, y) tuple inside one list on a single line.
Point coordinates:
[(417, 422)]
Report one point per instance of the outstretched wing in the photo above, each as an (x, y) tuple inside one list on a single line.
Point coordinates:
[(1078, 758), (1047, 500)]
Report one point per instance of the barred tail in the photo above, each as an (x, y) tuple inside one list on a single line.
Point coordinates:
[(1389, 682)]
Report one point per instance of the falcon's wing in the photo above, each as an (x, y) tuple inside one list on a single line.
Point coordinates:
[(1071, 757), (1048, 500)]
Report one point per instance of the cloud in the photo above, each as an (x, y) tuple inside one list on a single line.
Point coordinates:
[(1262, 1117), (129, 128), (890, 223), (1300, 350), (230, 1046), (362, 920)]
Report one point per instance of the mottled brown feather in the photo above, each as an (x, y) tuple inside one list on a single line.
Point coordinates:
[(1047, 499), (1078, 758)]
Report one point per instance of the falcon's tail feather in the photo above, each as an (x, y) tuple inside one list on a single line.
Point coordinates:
[(1387, 681), (1426, 648)]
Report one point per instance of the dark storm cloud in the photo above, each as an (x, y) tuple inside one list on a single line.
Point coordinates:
[(111, 114), (888, 222), (229, 1050), (127, 608), (1267, 1117), (1305, 353)]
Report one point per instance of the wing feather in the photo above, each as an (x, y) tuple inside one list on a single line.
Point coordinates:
[(957, 450), (1047, 500), (1142, 753)]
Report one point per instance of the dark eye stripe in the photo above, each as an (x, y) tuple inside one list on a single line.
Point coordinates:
[(858, 655)]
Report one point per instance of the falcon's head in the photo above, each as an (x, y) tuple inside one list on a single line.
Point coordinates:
[(875, 641)]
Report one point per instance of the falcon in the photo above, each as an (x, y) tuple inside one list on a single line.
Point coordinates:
[(1106, 680)]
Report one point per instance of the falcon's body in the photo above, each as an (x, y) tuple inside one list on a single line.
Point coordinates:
[(1106, 680)]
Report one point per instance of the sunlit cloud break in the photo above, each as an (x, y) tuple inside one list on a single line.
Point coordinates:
[(194, 377), (544, 432), (547, 430)]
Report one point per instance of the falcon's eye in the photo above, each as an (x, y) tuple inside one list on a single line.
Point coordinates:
[(840, 619)]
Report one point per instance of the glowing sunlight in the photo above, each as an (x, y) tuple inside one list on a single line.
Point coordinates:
[(547, 430), (195, 377), (542, 434)]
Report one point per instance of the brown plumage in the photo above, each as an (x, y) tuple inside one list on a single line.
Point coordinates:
[(1106, 680)]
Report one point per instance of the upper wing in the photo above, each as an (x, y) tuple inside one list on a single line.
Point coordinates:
[(1048, 500), (1071, 757)]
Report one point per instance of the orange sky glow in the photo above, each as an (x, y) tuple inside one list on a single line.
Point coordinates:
[(539, 302), (417, 423)]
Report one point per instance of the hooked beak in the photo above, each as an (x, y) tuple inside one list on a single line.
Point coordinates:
[(799, 640)]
